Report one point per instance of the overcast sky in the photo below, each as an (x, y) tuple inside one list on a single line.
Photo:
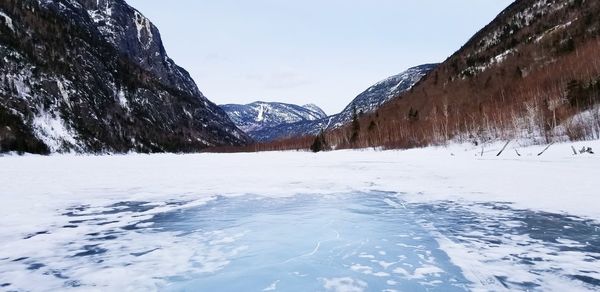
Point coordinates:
[(309, 51)]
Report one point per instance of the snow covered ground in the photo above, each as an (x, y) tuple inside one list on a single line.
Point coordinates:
[(141, 222)]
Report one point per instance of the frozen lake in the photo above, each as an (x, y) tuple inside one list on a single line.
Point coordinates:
[(347, 242), (432, 219)]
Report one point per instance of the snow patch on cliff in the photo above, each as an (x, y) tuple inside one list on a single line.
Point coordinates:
[(123, 100), (51, 129), (143, 25), (7, 21)]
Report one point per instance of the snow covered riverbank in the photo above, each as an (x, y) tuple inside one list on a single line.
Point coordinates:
[(557, 181), (97, 218)]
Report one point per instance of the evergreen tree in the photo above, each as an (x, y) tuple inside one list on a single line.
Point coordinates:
[(319, 144), (413, 115), (372, 126), (355, 126), (519, 72)]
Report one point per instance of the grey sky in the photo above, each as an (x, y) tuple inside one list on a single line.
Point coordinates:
[(311, 51)]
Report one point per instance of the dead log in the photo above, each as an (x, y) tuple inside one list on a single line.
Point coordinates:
[(545, 149)]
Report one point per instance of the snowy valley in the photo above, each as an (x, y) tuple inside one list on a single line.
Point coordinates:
[(117, 173), (442, 219)]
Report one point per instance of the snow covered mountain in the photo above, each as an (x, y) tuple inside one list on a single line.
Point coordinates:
[(256, 116), (367, 102), (313, 107), (375, 96), (93, 76)]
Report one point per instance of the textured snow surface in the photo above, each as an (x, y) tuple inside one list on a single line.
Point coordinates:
[(445, 218)]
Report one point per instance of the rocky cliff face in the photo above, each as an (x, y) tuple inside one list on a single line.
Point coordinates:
[(93, 76)]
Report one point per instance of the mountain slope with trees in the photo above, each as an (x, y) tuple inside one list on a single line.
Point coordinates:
[(93, 76), (532, 74)]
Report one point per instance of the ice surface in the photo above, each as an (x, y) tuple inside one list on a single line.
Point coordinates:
[(435, 219)]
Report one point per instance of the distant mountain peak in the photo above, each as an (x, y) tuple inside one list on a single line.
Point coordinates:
[(313, 107), (368, 101), (259, 114)]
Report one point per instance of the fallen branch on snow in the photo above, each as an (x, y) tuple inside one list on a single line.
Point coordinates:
[(587, 150), (545, 149), (503, 148)]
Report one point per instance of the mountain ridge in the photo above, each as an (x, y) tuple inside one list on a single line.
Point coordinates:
[(93, 76), (256, 116), (366, 102)]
